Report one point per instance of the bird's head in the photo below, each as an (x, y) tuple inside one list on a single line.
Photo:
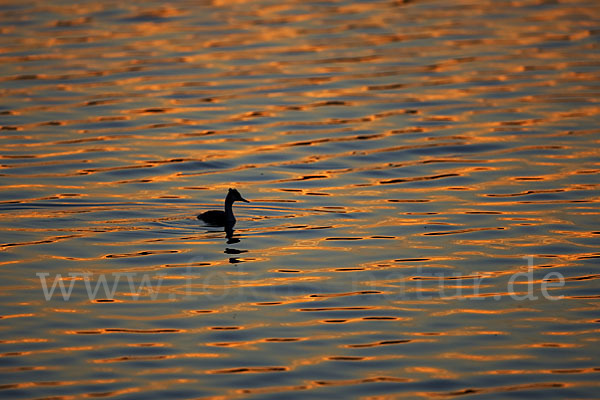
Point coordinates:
[(235, 195)]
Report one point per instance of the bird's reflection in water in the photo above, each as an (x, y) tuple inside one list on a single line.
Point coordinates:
[(234, 251), (231, 240), (229, 233)]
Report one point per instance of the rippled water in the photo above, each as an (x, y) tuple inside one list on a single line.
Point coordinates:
[(423, 179)]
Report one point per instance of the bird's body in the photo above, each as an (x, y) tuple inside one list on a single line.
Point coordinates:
[(223, 218), (214, 217)]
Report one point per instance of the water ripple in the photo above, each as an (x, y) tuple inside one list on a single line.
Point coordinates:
[(423, 192)]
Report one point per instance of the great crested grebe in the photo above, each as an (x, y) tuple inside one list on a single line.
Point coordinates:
[(223, 218)]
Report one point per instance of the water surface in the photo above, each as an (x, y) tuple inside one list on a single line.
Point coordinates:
[(423, 179)]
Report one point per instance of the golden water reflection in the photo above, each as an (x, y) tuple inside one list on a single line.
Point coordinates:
[(403, 158)]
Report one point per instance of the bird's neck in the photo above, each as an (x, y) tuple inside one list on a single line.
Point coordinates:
[(229, 209)]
